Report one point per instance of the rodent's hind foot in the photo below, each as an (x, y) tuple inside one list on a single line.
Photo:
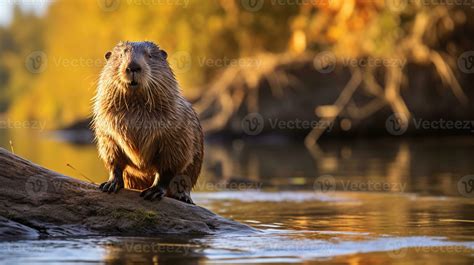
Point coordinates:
[(183, 196), (111, 186), (152, 193)]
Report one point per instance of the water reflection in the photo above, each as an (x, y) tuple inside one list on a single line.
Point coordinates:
[(424, 166), (430, 166), (386, 201), (164, 250), (311, 231)]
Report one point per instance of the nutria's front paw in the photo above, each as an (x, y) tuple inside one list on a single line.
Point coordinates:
[(111, 186), (154, 192), (183, 196)]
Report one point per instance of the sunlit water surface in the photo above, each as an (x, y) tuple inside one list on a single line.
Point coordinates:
[(346, 202)]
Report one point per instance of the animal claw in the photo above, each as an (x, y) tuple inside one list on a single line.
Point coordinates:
[(111, 186), (152, 193)]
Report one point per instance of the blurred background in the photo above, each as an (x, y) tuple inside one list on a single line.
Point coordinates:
[(370, 99), (301, 81)]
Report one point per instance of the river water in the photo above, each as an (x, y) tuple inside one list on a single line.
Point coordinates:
[(400, 201)]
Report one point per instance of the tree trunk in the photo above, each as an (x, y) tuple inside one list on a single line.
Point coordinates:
[(36, 202)]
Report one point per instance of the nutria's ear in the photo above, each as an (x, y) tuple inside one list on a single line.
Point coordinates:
[(164, 54), (107, 55)]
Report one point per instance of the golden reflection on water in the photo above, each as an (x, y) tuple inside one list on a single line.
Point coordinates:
[(306, 230), (426, 168)]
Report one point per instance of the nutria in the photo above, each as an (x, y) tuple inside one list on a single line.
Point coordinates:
[(147, 134)]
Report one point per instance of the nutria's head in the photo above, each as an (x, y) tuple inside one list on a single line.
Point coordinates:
[(138, 68)]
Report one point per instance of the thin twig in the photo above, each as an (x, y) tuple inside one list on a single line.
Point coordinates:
[(80, 173)]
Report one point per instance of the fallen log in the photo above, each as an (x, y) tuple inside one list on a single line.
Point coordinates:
[(37, 202)]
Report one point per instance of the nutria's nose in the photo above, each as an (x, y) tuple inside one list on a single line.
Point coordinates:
[(133, 67)]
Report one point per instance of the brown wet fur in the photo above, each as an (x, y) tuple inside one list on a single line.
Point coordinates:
[(147, 128)]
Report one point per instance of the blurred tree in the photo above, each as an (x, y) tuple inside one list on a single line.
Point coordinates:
[(18, 39), (77, 33), (202, 37)]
